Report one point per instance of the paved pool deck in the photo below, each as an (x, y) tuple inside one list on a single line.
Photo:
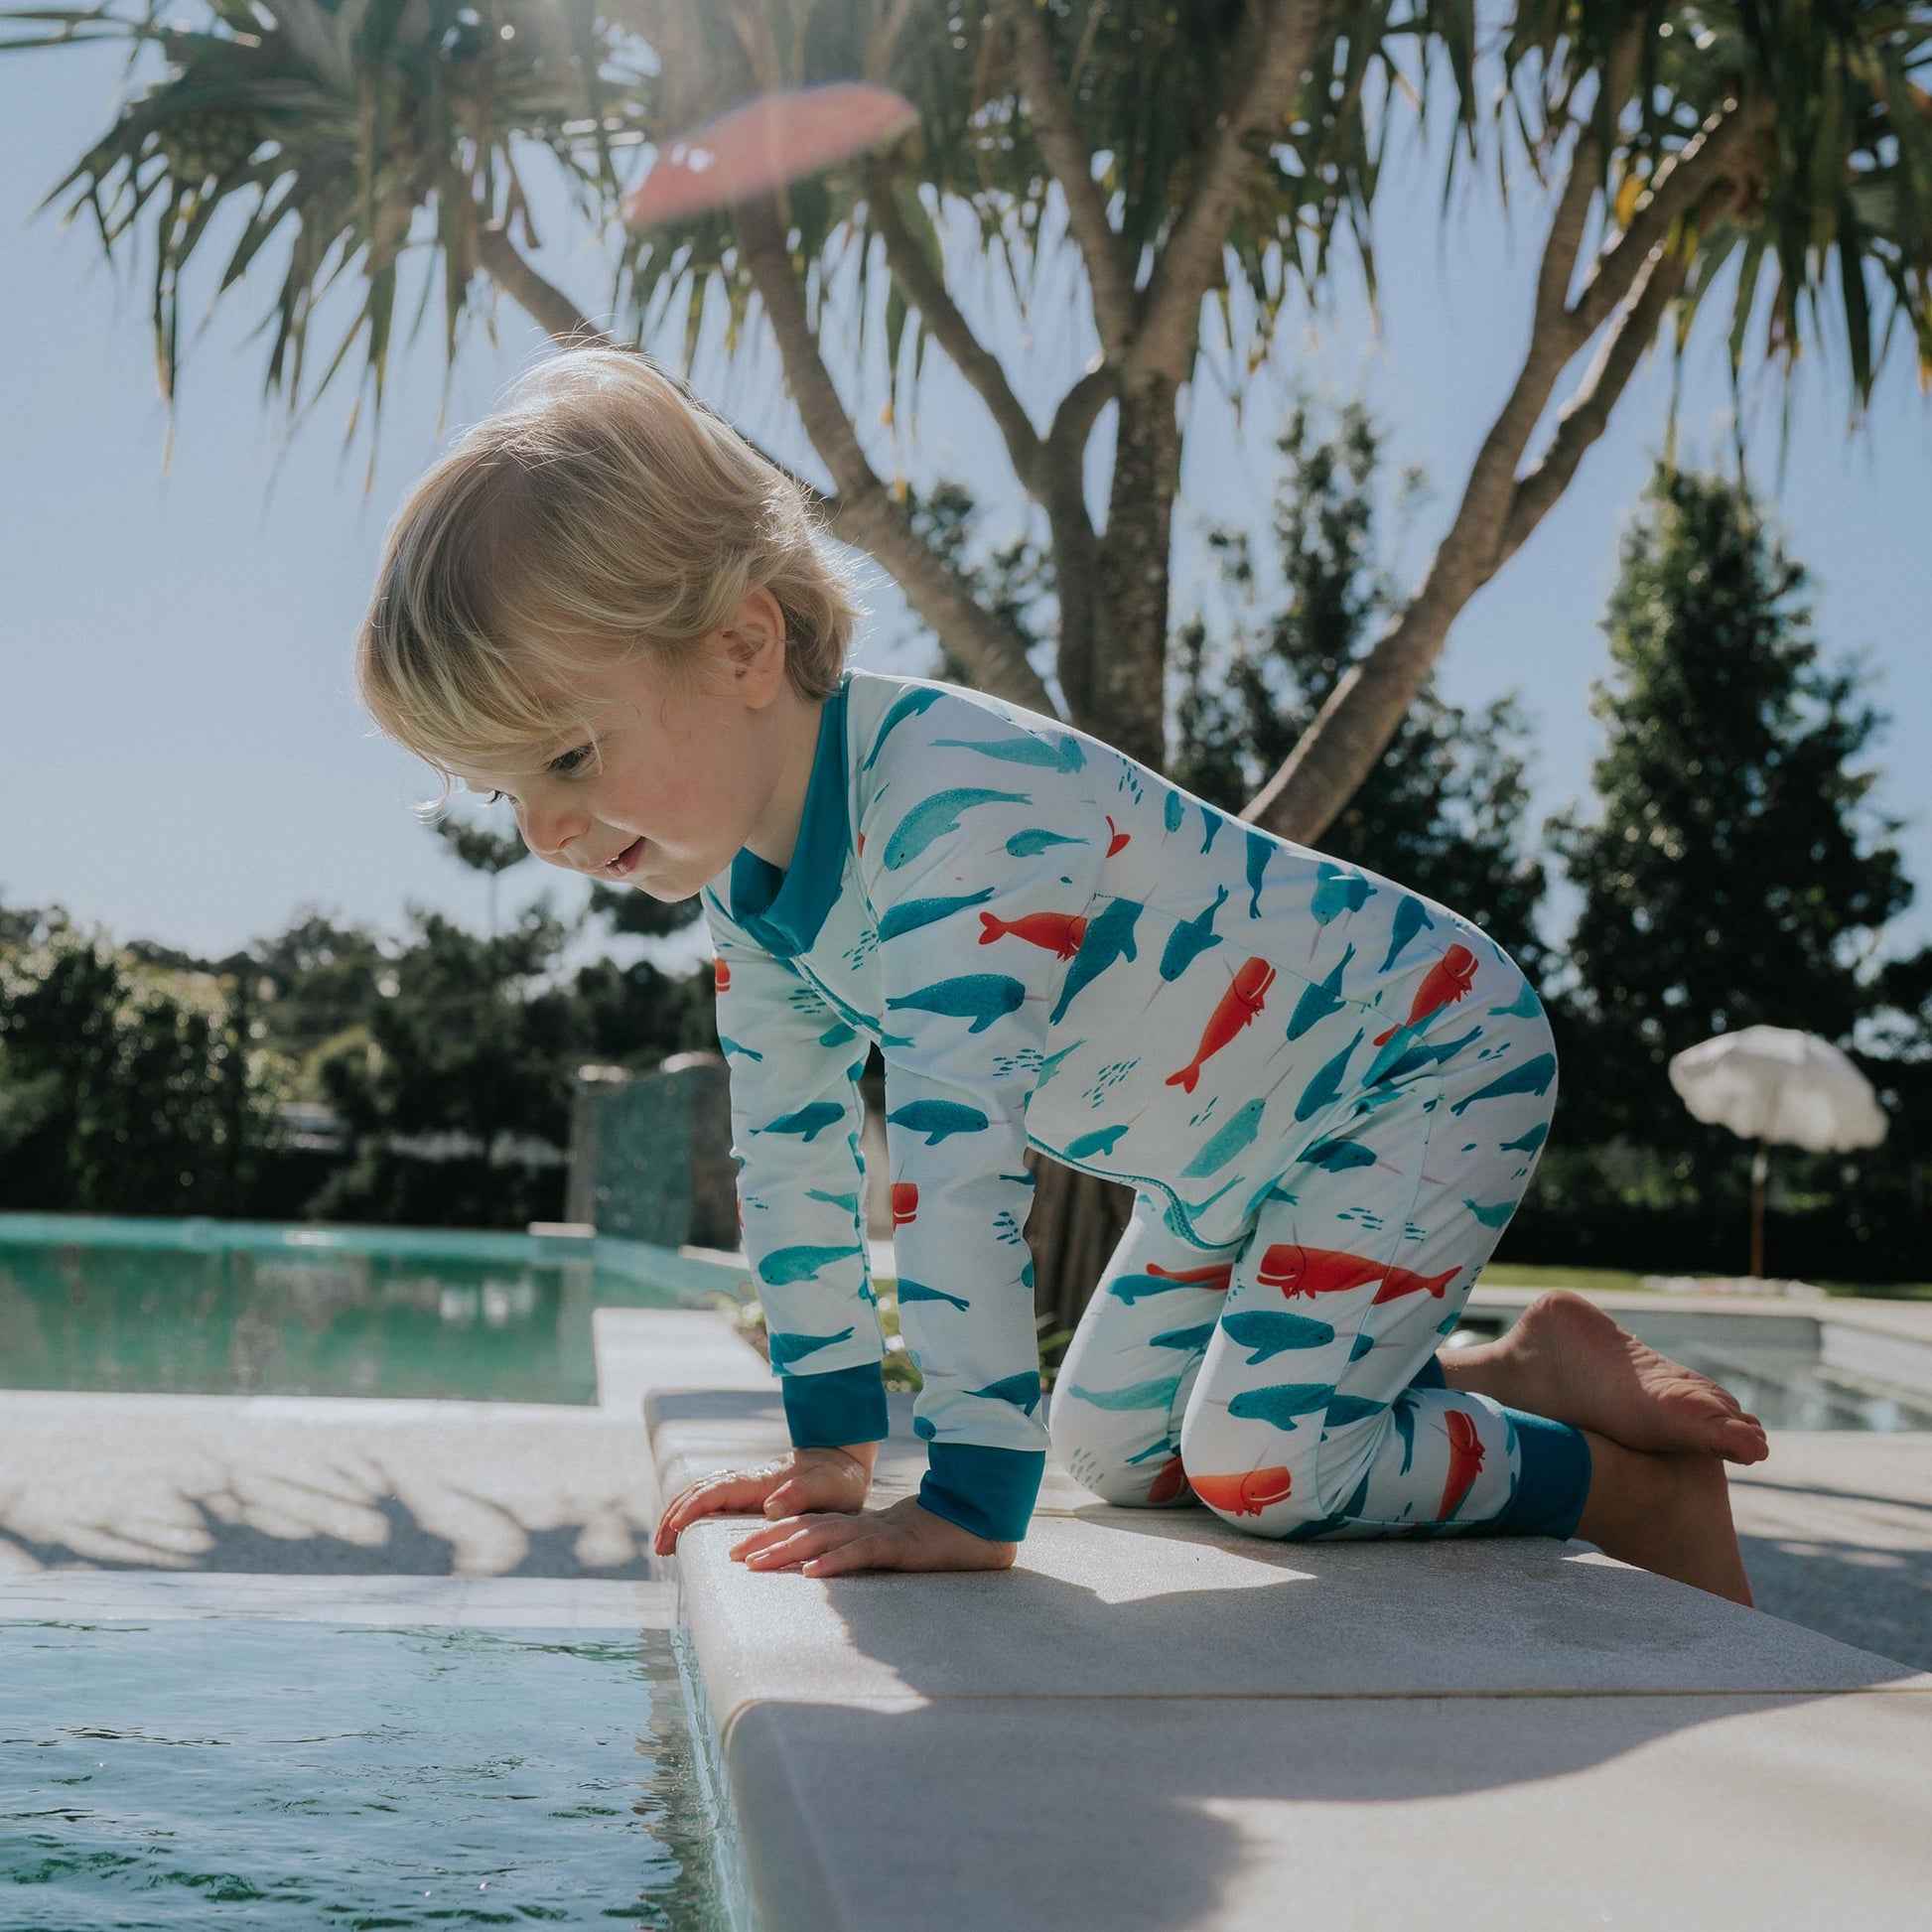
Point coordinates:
[(1153, 1722)]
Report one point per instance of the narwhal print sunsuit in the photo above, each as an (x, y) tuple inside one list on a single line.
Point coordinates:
[(1327, 1092)]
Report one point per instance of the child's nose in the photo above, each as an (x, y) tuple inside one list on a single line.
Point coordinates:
[(549, 829)]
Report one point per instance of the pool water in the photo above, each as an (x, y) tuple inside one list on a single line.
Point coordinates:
[(281, 1773), (1772, 1363), (228, 1309)]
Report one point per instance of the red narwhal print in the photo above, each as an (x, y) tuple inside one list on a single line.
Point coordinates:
[(1236, 1008), (1245, 1496), (1213, 1276), (862, 845), (1058, 933), (905, 1202), (721, 976), (1169, 1484), (1465, 1461), (1119, 839), (1296, 1270), (1443, 985)]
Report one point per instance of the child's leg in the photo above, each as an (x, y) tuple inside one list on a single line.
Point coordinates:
[(1114, 1420), (1320, 1410)]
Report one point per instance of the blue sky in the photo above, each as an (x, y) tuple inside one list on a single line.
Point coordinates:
[(184, 760)]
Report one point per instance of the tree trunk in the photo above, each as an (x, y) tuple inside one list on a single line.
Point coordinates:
[(1076, 1221)]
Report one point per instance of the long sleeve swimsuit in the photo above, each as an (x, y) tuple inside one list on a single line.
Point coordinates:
[(1326, 1092)]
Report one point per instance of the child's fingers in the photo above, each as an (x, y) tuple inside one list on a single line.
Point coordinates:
[(708, 1496), (784, 1543), (862, 1552)]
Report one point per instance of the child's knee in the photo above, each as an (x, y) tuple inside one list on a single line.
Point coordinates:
[(1142, 1480)]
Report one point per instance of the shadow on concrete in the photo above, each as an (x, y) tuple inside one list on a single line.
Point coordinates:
[(1875, 1596), (1557, 1670), (408, 1549)]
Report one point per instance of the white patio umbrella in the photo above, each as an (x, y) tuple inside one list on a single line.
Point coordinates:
[(1776, 1083)]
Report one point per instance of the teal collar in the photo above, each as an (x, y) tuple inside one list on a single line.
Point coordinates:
[(783, 909)]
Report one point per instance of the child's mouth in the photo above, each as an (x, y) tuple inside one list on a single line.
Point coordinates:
[(626, 860)]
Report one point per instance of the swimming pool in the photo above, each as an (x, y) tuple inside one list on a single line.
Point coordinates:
[(1791, 1371), (216, 1770), (235, 1308)]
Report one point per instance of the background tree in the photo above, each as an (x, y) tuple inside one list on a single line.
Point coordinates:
[(1735, 874), (1781, 138), (1179, 153), (124, 1087), (1443, 808), (483, 849)]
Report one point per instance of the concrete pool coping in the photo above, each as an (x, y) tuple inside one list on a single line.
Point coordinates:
[(1156, 1721)]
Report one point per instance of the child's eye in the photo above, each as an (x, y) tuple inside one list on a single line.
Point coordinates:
[(494, 798), (565, 763)]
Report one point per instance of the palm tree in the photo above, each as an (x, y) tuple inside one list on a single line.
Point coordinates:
[(1180, 154)]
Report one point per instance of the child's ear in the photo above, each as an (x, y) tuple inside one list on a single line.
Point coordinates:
[(756, 635)]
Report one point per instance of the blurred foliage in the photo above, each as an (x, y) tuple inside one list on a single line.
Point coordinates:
[(1442, 810), (1734, 872), (126, 1087)]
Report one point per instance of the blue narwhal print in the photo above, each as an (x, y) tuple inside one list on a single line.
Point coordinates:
[(801, 1263), (1533, 1077), (1235, 1133), (1100, 1140), (1021, 1390), (810, 1122), (1157, 1394), (1319, 999), (1260, 845), (1108, 937), (980, 997), (919, 1292), (1067, 756), (1337, 889), (786, 1349), (933, 818), (1192, 1339), (1411, 918), (937, 1118), (1268, 1333), (1193, 938), (1282, 1403), (903, 708), (913, 913), (1035, 839), (1325, 1088)]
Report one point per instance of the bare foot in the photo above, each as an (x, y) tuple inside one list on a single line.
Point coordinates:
[(1566, 1359), (1669, 1513)]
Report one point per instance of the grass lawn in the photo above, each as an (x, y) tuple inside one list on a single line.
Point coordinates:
[(1617, 1281)]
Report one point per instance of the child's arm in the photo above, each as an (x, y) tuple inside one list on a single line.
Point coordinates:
[(983, 843), (795, 1116)]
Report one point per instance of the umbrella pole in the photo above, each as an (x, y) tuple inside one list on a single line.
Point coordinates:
[(1760, 1163)]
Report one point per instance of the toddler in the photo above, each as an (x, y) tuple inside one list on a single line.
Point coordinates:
[(1326, 1091)]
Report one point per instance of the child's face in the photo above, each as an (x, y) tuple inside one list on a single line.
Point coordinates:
[(684, 775)]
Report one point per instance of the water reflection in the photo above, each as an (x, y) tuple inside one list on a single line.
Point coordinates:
[(325, 1321)]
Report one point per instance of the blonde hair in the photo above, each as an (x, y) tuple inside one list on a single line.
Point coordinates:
[(605, 513)]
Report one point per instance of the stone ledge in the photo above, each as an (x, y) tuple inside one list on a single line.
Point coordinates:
[(1153, 1721), (1458, 1815)]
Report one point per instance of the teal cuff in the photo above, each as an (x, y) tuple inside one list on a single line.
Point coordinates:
[(1554, 1484), (840, 1405), (990, 1492)]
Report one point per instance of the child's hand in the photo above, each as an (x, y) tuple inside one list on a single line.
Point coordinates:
[(904, 1537), (798, 1480)]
